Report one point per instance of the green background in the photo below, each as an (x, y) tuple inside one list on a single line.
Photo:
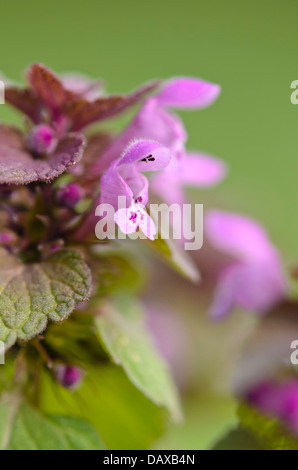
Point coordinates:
[(248, 47)]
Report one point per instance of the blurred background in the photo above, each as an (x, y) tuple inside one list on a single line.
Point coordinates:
[(250, 49)]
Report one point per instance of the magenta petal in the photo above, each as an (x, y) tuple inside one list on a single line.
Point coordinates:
[(168, 186), (256, 287), (152, 122), (113, 186), (202, 170), (255, 280), (124, 177), (136, 182), (188, 93), (238, 236)]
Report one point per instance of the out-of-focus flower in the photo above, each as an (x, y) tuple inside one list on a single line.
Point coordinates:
[(69, 195), (155, 122), (69, 377), (278, 400), (253, 279), (124, 178), (7, 238)]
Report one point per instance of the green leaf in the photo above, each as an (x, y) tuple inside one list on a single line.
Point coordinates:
[(208, 416), (24, 428), (174, 255), (116, 273), (238, 439), (32, 294), (122, 415), (122, 330), (268, 431)]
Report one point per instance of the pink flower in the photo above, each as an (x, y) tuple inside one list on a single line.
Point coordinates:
[(124, 179), (155, 122), (70, 195), (253, 279)]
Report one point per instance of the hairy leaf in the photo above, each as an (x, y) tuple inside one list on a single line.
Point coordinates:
[(48, 87), (82, 112), (268, 431), (19, 166), (24, 428), (25, 100), (47, 90), (238, 439), (122, 330), (32, 294)]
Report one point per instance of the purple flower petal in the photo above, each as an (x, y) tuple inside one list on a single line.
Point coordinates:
[(152, 122), (202, 170), (124, 178), (238, 236), (256, 287), (193, 169), (253, 281), (188, 93)]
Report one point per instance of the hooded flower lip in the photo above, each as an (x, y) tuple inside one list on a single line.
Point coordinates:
[(18, 165), (67, 106), (154, 121), (254, 280), (124, 178)]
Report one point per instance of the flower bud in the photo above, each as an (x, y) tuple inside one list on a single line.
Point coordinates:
[(69, 377), (70, 195), (42, 139), (7, 238)]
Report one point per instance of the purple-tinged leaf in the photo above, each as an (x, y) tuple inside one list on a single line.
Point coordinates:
[(19, 166)]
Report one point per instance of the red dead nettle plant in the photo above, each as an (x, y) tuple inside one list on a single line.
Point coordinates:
[(54, 172)]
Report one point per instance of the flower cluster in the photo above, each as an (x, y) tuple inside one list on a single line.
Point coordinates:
[(102, 167)]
